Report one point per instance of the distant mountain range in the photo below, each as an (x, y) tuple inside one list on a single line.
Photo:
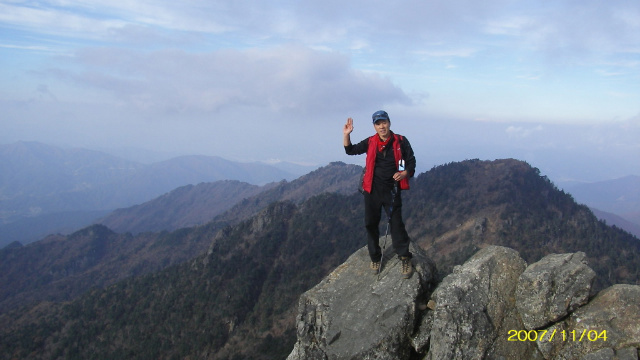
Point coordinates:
[(617, 201), (229, 288), (46, 189), (619, 196), (615, 220)]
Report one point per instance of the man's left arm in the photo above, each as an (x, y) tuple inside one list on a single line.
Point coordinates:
[(409, 157)]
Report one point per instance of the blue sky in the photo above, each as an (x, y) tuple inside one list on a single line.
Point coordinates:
[(555, 83)]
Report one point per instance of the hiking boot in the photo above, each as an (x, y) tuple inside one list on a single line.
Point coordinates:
[(375, 266), (407, 268)]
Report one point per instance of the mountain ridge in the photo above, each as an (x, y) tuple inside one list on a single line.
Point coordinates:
[(196, 205), (185, 206)]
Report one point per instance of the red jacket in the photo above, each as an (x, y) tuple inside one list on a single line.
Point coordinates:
[(367, 180)]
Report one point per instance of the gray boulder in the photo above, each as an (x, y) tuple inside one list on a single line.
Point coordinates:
[(553, 287), (354, 314), (609, 321), (475, 309), (629, 353)]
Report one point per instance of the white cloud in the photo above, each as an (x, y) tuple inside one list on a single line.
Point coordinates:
[(289, 79), (55, 22)]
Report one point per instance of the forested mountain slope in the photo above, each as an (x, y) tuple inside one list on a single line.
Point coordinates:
[(237, 299), (59, 268), (454, 209)]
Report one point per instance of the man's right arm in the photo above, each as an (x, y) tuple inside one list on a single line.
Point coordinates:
[(349, 148), (346, 132)]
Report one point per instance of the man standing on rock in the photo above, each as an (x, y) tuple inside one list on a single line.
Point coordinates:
[(389, 165)]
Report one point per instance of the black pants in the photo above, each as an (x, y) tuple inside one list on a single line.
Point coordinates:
[(376, 204)]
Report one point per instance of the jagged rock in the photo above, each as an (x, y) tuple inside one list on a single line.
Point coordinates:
[(353, 314), (475, 309), (552, 288), (476, 312), (614, 313), (629, 353), (602, 354)]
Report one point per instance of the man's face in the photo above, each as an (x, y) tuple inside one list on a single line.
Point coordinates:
[(382, 128)]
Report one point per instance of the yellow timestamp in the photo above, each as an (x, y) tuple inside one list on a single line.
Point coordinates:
[(563, 335)]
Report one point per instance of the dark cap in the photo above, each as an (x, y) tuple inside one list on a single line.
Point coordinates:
[(380, 115)]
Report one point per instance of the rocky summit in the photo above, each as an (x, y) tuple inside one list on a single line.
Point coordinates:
[(494, 306), (354, 313)]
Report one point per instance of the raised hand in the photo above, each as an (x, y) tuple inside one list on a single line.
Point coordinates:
[(348, 127)]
